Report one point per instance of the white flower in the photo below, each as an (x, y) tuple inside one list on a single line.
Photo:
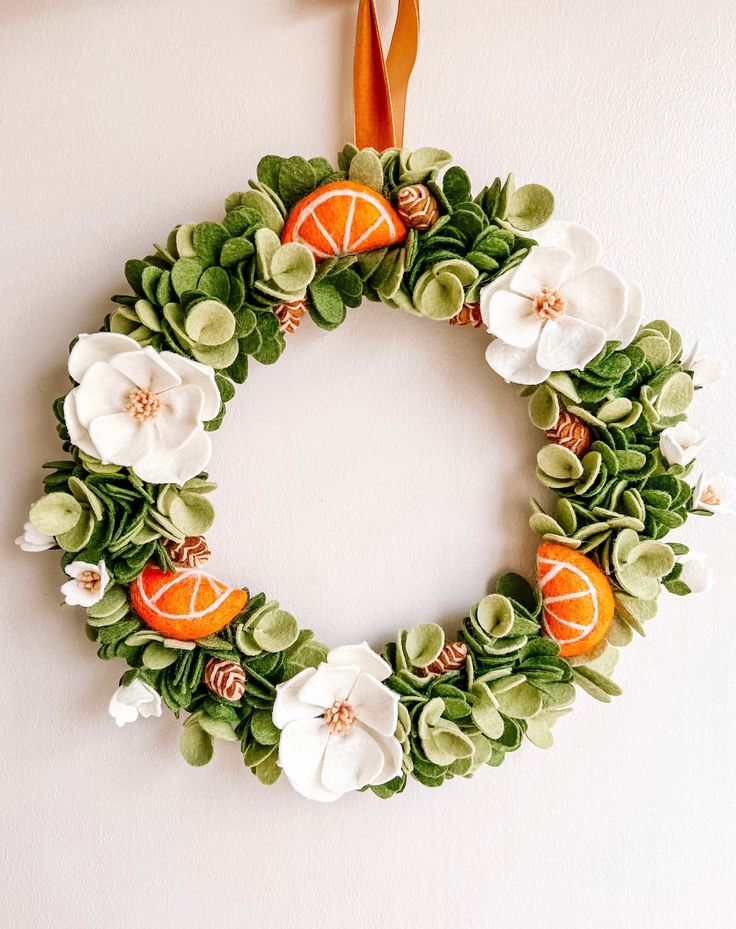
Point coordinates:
[(715, 492), (133, 700), (696, 573), (556, 311), (704, 370), (680, 444), (34, 541), (339, 723), (140, 408), (88, 583)]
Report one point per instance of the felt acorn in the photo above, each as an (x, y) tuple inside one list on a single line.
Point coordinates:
[(290, 314), (417, 207), (469, 315), (451, 658), (225, 678), (570, 432), (193, 552)]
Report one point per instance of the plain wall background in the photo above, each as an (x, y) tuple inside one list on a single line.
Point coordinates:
[(375, 478)]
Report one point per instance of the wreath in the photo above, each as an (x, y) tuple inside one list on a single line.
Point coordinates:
[(128, 506)]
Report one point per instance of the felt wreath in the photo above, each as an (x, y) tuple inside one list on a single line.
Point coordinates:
[(128, 505)]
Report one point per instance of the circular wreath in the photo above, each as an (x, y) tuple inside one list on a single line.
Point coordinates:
[(128, 507)]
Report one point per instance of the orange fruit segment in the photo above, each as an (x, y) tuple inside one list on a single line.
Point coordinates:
[(186, 604), (577, 599), (344, 218)]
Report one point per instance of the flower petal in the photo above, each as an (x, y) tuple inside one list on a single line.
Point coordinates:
[(103, 390), (78, 434), (77, 567), (301, 749), (100, 346), (598, 297), (120, 439), (76, 595), (516, 365), (511, 318), (542, 267), (374, 704), (34, 541), (568, 343), (360, 656), (131, 699), (392, 758), (147, 369), (329, 685), (179, 416), (351, 760), (502, 282), (288, 706), (629, 325), (164, 466), (584, 245), (203, 376), (696, 573)]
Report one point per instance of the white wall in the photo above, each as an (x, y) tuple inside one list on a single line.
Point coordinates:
[(376, 477)]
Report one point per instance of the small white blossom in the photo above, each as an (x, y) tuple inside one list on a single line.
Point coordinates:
[(34, 541), (704, 370), (680, 444), (696, 573), (715, 492), (87, 584), (133, 700)]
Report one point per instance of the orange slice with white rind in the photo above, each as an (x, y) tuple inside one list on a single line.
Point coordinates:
[(577, 599), (344, 218), (186, 604)]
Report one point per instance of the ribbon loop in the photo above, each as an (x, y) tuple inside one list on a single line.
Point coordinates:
[(380, 86)]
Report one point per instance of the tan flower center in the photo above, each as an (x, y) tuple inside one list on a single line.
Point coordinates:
[(710, 496), (339, 717), (89, 580), (142, 405), (549, 304)]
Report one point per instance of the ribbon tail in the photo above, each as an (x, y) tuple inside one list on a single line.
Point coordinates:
[(402, 56), (374, 122)]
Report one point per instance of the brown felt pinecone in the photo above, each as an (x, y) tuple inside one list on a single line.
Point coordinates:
[(451, 658), (290, 314), (468, 316), (570, 432), (225, 678), (417, 207), (193, 552)]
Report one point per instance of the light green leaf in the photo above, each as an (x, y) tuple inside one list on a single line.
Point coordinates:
[(424, 643), (196, 745), (55, 513)]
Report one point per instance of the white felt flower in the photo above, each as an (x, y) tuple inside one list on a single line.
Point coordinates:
[(557, 309), (87, 584), (715, 492), (133, 700), (680, 444), (338, 725), (696, 573), (140, 408), (34, 541), (704, 370)]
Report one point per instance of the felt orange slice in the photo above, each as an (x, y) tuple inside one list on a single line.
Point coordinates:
[(344, 218), (186, 604), (577, 600)]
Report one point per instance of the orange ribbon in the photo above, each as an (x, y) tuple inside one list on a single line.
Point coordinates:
[(379, 87)]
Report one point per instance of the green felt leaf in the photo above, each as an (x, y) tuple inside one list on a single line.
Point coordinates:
[(456, 185), (530, 206), (366, 168), (267, 244), (521, 702), (217, 728), (439, 297), (544, 407), (215, 282), (183, 240), (191, 513), (424, 643), (263, 729), (217, 356), (268, 170), (210, 323), (296, 180), (559, 463), (427, 159), (157, 656), (76, 538), (265, 207), (55, 513), (185, 274), (208, 238), (196, 745), (292, 267), (327, 302), (485, 712), (275, 631), (675, 395), (495, 615)]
